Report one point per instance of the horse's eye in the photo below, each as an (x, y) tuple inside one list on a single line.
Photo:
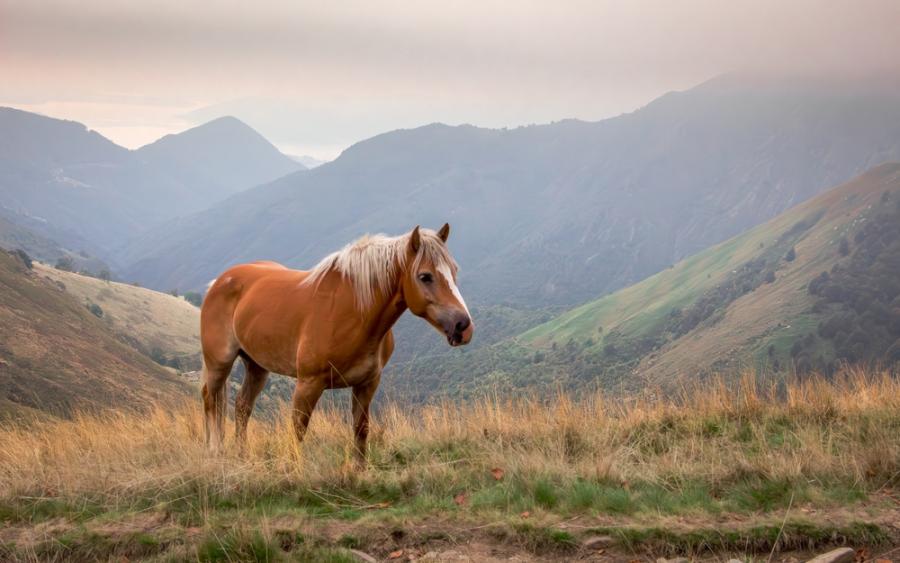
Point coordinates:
[(426, 278)]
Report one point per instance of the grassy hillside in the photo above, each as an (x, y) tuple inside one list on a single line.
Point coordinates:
[(720, 471), (742, 303), (58, 357), (745, 303), (164, 327)]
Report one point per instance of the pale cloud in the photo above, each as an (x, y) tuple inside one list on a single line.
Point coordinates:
[(317, 74)]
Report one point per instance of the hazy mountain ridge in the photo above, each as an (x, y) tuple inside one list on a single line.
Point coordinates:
[(14, 236), (218, 159), (72, 185), (307, 161), (558, 213)]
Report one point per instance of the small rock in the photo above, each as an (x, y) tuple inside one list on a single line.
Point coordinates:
[(734, 561), (363, 556), (840, 555), (596, 542), (675, 560), (450, 555)]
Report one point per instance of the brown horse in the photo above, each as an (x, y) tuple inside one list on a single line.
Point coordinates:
[(329, 327)]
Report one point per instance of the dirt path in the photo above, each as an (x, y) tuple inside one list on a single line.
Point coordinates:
[(156, 535)]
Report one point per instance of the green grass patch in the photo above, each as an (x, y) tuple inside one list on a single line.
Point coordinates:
[(757, 539), (231, 545), (36, 510), (538, 539), (545, 494), (764, 496)]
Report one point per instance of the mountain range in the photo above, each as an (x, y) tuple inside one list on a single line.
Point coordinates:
[(67, 183), (554, 214), (692, 204)]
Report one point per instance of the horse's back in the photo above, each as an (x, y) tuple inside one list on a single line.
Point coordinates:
[(250, 301)]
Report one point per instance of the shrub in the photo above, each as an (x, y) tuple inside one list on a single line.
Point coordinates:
[(791, 255), (844, 246), (24, 257), (66, 264)]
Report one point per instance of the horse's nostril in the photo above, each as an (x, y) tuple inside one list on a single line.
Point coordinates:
[(463, 324)]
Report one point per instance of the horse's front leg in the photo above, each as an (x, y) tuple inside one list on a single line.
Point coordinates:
[(362, 398), (306, 395)]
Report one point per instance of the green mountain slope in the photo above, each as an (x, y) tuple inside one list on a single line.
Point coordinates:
[(743, 303), (717, 309)]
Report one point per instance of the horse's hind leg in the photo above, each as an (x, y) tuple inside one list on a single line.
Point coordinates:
[(215, 401), (361, 399), (254, 381)]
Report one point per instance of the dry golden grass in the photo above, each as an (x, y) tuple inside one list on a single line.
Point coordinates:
[(843, 431), (153, 319), (711, 456)]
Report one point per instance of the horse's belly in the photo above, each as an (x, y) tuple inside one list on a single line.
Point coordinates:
[(269, 343), (274, 362)]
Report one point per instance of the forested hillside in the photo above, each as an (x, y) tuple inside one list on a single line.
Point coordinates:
[(814, 288)]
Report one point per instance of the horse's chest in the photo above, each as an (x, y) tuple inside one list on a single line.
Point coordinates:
[(346, 374)]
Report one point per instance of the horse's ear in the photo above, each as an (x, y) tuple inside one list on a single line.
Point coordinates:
[(444, 233), (415, 240)]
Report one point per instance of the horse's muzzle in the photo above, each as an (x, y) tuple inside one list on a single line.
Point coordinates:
[(459, 329)]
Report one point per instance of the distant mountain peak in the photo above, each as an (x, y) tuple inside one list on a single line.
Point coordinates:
[(93, 192), (225, 129), (226, 122), (221, 156)]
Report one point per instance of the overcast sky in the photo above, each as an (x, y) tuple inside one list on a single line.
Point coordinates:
[(315, 77)]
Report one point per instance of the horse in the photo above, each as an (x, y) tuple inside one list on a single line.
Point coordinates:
[(329, 327)]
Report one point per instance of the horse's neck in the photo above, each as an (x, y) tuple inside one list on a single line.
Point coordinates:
[(384, 312), (384, 317)]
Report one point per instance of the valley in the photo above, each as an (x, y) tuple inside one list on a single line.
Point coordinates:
[(687, 338), (745, 304)]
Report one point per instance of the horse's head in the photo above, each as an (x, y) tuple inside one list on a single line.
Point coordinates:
[(429, 285)]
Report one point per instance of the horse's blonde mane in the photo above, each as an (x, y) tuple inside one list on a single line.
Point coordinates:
[(373, 262)]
